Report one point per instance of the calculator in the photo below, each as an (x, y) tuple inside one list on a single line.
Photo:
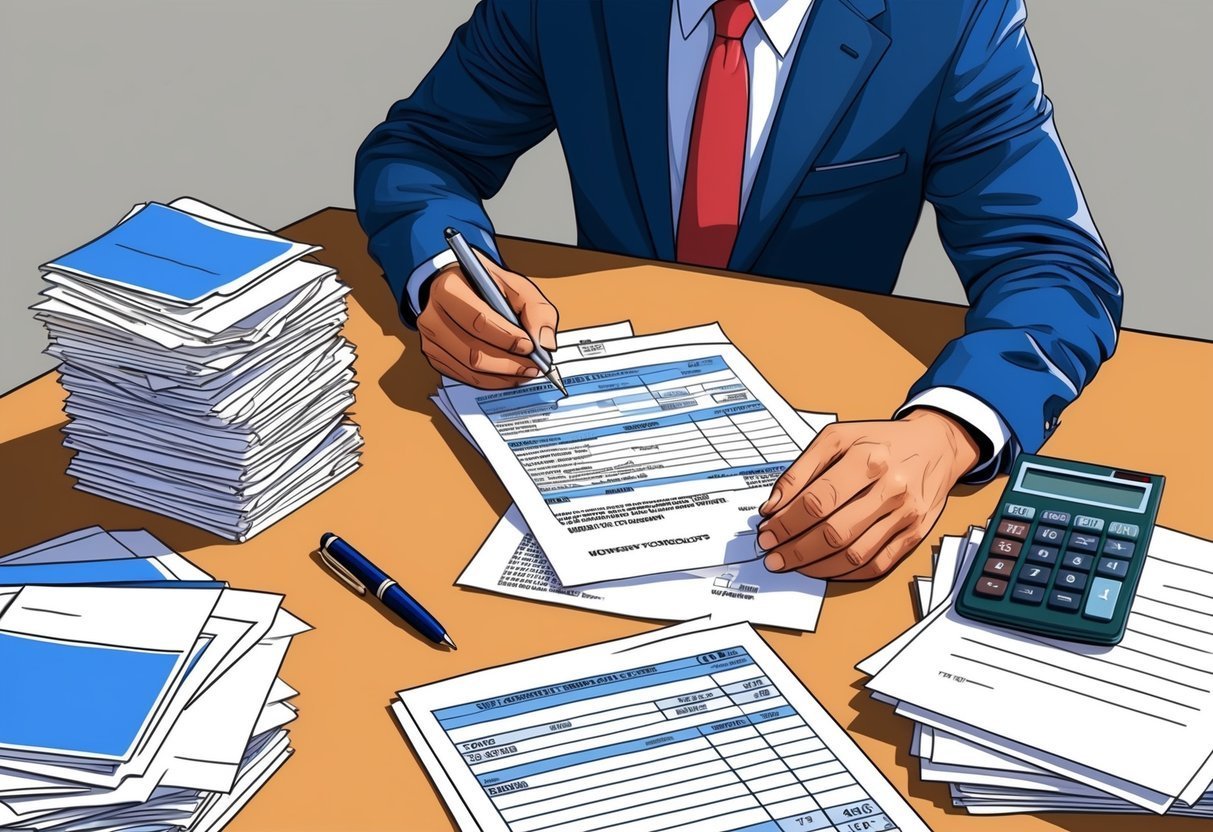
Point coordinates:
[(1064, 551)]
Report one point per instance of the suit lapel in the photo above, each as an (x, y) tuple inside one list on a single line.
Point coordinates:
[(837, 52), (638, 38)]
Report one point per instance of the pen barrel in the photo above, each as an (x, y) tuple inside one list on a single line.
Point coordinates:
[(403, 604), (367, 573)]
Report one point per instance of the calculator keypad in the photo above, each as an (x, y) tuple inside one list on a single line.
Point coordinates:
[(1067, 561)]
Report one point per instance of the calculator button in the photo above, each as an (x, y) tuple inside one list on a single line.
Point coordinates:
[(999, 567), (1125, 530), (1013, 529), (1055, 518), (1061, 600), (1077, 561), (1119, 548), (1088, 524), (1101, 600), (1084, 542), (1043, 554), (1022, 512), (1112, 568), (1026, 594), (1005, 548), (1046, 534), (1072, 580), (1032, 574), (991, 588)]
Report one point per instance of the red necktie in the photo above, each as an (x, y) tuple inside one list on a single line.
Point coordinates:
[(711, 191)]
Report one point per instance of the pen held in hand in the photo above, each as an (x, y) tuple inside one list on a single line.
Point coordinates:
[(490, 293), (357, 571)]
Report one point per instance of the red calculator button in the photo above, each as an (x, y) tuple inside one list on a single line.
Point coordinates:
[(991, 588), (1013, 529)]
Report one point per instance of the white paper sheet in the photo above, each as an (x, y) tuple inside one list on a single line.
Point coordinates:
[(1153, 687), (510, 562), (657, 462), (693, 727)]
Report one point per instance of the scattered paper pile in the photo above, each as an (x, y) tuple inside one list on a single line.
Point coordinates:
[(138, 693), (206, 374), (511, 561), (1018, 723)]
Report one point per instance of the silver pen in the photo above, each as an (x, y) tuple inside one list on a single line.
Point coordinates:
[(491, 294)]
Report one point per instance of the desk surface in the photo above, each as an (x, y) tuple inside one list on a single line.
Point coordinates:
[(824, 349)]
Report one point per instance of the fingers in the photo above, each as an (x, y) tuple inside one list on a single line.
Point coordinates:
[(861, 551), (464, 338), (887, 556), (537, 314), (824, 495), (479, 364), (841, 537), (820, 454), (454, 297)]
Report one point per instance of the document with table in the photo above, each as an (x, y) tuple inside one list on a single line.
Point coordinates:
[(656, 462), (511, 562), (694, 727)]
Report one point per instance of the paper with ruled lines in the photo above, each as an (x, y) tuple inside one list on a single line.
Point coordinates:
[(1132, 720), (694, 727)]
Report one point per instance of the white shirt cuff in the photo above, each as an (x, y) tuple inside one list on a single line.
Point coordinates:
[(973, 411), (424, 272)]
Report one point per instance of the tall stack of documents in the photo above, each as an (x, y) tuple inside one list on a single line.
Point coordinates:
[(737, 587), (138, 693), (206, 373), (1015, 722)]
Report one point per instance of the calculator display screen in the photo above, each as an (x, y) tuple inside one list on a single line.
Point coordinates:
[(1087, 489)]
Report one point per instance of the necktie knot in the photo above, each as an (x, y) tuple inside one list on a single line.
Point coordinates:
[(732, 18)]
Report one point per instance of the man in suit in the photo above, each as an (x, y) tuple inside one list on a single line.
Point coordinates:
[(789, 138)]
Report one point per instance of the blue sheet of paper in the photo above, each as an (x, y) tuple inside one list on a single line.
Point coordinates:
[(172, 253)]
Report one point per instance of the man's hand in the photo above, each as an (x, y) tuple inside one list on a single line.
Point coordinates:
[(863, 495), (462, 337)]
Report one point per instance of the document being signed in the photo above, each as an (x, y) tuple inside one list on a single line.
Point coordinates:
[(657, 461)]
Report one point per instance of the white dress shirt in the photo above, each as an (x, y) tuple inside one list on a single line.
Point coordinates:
[(770, 45)]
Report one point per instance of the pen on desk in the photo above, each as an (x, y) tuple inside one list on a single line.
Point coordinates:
[(491, 294), (355, 569)]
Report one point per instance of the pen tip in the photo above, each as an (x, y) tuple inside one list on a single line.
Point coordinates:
[(447, 640), (553, 376)]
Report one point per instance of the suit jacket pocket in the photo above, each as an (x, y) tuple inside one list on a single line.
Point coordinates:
[(841, 176)]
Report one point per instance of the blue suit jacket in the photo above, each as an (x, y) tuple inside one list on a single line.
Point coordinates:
[(885, 106)]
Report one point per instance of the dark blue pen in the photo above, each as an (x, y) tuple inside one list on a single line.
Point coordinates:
[(353, 567)]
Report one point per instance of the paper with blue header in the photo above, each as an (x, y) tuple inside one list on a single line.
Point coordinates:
[(697, 727), (657, 460)]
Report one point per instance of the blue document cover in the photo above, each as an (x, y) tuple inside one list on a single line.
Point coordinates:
[(77, 698), (171, 253)]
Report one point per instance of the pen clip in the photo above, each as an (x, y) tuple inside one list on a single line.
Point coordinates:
[(341, 572)]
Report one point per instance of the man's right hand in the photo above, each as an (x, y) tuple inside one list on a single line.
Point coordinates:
[(462, 337)]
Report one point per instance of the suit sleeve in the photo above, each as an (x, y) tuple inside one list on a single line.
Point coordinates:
[(450, 145), (1044, 304)]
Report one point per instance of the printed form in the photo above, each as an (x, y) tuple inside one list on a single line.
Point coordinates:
[(657, 461), (693, 727)]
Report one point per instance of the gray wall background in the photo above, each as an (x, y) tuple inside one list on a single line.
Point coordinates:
[(258, 105)]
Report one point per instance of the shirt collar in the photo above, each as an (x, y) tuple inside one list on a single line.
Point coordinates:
[(779, 19)]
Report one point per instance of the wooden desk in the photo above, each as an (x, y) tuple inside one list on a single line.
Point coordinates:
[(424, 501)]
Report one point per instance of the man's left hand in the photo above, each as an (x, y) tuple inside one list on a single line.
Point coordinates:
[(863, 495)]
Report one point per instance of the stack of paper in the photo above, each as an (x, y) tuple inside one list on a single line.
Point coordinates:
[(512, 562), (206, 372), (138, 693), (1021, 723)]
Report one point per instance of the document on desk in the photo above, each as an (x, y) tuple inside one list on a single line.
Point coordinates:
[(694, 727), (1132, 720), (656, 462)]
